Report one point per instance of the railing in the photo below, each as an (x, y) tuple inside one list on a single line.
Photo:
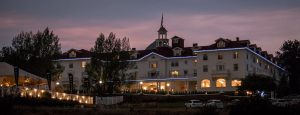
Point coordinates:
[(109, 100), (56, 95)]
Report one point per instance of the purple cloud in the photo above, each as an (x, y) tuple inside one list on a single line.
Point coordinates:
[(268, 29)]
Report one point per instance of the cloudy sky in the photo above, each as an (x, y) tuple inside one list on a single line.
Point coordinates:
[(266, 23)]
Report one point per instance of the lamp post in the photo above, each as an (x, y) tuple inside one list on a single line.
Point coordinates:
[(168, 85), (49, 80), (16, 72), (141, 85), (2, 95), (71, 83)]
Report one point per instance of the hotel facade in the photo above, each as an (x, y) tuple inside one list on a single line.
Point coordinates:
[(168, 65)]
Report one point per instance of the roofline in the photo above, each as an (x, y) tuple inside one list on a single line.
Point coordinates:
[(168, 58), (72, 59), (241, 48), (185, 57), (166, 79)]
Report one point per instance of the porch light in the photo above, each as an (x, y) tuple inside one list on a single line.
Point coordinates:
[(168, 84), (57, 83), (162, 87), (100, 82), (141, 83), (144, 88)]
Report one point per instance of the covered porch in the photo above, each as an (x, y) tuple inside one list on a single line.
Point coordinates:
[(168, 85)]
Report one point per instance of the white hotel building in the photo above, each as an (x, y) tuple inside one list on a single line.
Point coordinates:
[(174, 67)]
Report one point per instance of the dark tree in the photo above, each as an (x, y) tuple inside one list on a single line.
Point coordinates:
[(289, 58), (34, 52), (283, 87), (258, 83), (108, 62)]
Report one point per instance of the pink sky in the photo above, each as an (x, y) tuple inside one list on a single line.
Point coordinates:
[(266, 28)]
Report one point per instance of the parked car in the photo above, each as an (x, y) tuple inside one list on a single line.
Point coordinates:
[(233, 102), (280, 102), (215, 103), (193, 104)]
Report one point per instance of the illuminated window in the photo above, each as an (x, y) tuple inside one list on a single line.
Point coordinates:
[(236, 55), (205, 83), (221, 83), (153, 65), (220, 56), (83, 64), (235, 83), (257, 61), (175, 73)]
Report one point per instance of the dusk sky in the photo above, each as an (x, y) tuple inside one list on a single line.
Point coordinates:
[(267, 23)]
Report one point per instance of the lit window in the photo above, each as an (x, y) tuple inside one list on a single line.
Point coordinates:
[(221, 83), (257, 60), (205, 83), (220, 56), (153, 65), (235, 83), (83, 64), (236, 55), (175, 73)]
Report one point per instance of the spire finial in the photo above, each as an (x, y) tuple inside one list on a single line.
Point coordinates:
[(162, 20)]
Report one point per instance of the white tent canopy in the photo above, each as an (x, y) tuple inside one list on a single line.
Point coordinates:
[(7, 70)]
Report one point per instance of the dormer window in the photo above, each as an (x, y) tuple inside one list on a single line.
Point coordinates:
[(177, 51), (175, 41), (72, 54), (221, 44)]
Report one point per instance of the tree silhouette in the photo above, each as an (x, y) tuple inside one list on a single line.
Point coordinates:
[(289, 58), (34, 52), (108, 62)]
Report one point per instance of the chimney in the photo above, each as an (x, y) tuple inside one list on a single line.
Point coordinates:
[(133, 49), (195, 44), (237, 39)]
